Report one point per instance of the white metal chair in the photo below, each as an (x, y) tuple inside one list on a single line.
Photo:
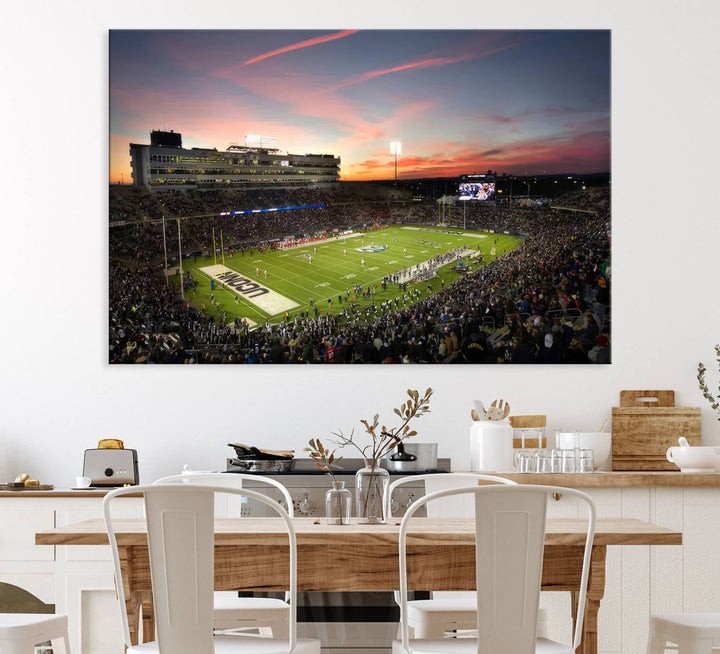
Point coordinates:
[(231, 611), (180, 529), (509, 545), (446, 611), (693, 633), (20, 632)]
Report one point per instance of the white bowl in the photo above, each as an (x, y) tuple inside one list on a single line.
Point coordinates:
[(695, 459), (599, 442)]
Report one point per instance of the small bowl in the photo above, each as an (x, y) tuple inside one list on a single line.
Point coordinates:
[(694, 459)]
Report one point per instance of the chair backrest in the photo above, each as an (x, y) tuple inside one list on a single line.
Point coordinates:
[(229, 479), (442, 480), (180, 530), (509, 545)]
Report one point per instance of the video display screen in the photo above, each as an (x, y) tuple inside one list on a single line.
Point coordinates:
[(477, 191)]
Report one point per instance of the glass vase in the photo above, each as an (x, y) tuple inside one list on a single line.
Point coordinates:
[(371, 484), (338, 501)]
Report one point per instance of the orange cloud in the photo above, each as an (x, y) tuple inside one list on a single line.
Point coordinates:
[(585, 151), (301, 44)]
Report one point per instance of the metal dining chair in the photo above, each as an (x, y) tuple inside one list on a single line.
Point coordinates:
[(449, 611), (230, 611), (693, 633), (509, 545), (21, 632), (181, 545)]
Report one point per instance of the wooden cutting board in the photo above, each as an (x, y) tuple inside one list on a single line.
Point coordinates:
[(7, 487), (645, 425)]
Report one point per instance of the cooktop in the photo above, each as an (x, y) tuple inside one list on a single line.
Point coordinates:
[(345, 467)]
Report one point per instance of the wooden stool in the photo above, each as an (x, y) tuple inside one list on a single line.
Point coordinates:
[(693, 633), (20, 632)]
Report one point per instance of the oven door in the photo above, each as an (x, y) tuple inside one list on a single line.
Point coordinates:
[(351, 622)]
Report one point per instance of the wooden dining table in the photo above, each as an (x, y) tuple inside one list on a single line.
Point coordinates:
[(251, 554)]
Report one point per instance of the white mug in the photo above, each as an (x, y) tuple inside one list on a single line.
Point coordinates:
[(82, 482)]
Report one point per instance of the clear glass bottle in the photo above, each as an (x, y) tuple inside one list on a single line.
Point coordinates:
[(371, 486), (338, 503)]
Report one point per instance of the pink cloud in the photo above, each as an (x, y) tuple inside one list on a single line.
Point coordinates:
[(301, 44), (423, 63)]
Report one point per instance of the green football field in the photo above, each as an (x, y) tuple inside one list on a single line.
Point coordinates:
[(336, 268)]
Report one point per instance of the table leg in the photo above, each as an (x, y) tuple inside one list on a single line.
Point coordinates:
[(148, 617), (134, 568), (596, 591), (133, 606)]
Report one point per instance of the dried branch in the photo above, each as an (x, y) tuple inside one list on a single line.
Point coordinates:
[(704, 389), (323, 457), (384, 440)]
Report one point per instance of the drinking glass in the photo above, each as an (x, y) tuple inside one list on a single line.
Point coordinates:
[(518, 454), (568, 460), (526, 461), (539, 433), (543, 461), (585, 461)]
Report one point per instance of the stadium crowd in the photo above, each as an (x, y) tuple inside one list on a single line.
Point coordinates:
[(547, 301)]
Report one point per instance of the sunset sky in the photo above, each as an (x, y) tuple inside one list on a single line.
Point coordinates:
[(459, 101)]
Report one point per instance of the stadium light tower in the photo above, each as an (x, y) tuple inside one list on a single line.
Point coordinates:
[(396, 149)]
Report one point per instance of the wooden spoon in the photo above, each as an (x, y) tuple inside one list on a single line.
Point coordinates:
[(506, 410), (474, 415), (498, 410)]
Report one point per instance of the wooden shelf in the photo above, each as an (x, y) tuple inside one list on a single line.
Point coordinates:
[(642, 479)]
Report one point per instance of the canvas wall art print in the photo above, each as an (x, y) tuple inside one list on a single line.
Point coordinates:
[(359, 197)]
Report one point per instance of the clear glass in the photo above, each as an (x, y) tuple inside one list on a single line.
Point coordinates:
[(585, 461), (371, 487), (526, 461), (539, 433), (523, 436), (338, 503), (556, 456), (518, 454), (543, 462), (533, 460), (568, 458)]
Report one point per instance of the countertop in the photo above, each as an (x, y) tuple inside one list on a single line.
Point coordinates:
[(642, 479), (58, 493)]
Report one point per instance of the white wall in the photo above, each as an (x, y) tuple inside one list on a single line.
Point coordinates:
[(58, 395)]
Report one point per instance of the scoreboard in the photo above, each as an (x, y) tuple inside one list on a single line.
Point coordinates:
[(477, 187)]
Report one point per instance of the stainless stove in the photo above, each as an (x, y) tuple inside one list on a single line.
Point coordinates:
[(308, 484), (345, 622)]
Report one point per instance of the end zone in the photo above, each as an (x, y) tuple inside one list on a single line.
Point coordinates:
[(249, 289)]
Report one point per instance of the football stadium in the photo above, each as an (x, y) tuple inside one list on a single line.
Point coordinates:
[(359, 197), (358, 273)]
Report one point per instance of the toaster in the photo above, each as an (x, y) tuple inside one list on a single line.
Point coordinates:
[(110, 467)]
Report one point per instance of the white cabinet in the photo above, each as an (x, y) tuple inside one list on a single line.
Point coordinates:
[(644, 579), (78, 579), (17, 537)]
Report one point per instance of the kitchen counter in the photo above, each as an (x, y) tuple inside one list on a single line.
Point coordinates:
[(642, 479), (57, 493)]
